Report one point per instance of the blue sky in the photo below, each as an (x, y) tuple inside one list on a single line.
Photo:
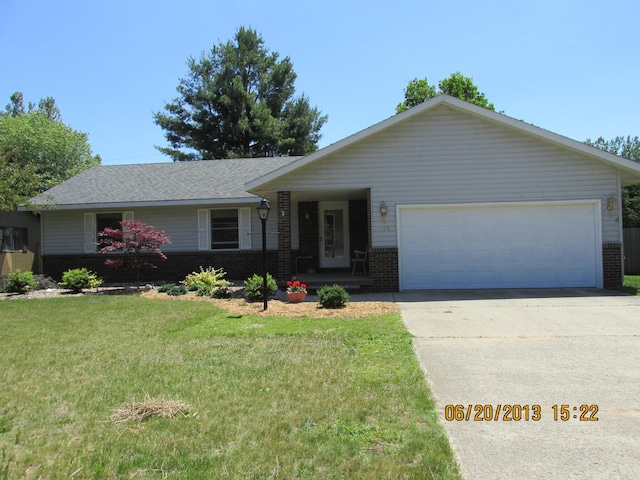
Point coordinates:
[(572, 67)]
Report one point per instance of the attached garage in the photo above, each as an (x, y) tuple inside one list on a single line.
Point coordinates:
[(459, 196), (500, 245)]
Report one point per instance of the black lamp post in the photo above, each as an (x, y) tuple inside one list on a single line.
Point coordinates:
[(263, 214)]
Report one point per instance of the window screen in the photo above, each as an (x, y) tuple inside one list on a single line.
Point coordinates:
[(224, 229), (14, 239)]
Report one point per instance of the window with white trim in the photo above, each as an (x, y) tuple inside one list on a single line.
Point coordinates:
[(224, 229), (97, 222), (14, 239)]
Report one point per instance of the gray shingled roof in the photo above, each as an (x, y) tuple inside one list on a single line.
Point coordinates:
[(161, 183)]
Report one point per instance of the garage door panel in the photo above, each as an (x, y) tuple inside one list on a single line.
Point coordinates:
[(499, 246)]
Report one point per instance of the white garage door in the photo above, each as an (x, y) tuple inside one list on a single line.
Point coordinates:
[(500, 246)]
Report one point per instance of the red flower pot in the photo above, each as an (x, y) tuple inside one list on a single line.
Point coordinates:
[(296, 297)]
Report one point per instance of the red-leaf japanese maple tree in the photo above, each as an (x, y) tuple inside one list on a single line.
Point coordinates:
[(135, 242)]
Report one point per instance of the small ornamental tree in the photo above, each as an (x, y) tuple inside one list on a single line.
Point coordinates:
[(136, 242)]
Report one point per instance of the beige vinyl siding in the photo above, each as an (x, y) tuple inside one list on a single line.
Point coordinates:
[(64, 229), (448, 157)]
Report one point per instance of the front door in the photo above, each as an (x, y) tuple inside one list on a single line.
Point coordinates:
[(334, 235)]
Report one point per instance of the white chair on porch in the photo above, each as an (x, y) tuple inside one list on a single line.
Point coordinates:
[(359, 257)]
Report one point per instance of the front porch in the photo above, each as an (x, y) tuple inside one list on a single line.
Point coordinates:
[(318, 233)]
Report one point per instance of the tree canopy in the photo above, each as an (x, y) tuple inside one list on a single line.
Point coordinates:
[(37, 150), (456, 85), (238, 101), (628, 147)]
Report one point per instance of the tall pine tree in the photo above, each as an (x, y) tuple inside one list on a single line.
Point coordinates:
[(238, 101)]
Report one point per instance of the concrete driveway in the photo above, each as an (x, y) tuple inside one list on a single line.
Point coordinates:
[(569, 347)]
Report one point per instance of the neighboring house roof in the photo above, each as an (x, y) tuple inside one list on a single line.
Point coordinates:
[(629, 168), (156, 184)]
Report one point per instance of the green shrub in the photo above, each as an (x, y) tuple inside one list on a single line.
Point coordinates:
[(253, 287), (333, 296), (165, 287), (78, 279), (201, 290), (176, 290), (42, 283), (221, 292), (205, 282), (172, 289), (20, 282)]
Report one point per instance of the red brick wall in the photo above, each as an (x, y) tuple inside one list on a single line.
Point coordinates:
[(239, 265), (612, 265), (383, 267)]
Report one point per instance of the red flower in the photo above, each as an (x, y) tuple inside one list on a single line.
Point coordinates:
[(296, 286)]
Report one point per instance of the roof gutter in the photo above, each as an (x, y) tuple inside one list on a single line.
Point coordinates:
[(158, 203)]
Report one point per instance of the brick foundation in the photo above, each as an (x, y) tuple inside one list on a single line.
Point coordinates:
[(383, 268), (239, 265), (612, 265)]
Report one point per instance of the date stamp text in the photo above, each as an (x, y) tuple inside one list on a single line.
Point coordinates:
[(517, 412)]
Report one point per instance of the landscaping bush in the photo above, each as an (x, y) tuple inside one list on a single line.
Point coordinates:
[(176, 290), (333, 296), (172, 289), (44, 282), (77, 279), (221, 292), (253, 287), (20, 282), (206, 282), (165, 287)]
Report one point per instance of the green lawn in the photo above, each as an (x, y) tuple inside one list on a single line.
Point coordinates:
[(270, 397), (631, 284)]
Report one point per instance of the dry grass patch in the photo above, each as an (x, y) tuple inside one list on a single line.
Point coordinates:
[(150, 408)]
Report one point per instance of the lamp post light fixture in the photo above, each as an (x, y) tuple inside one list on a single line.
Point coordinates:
[(263, 214), (383, 211)]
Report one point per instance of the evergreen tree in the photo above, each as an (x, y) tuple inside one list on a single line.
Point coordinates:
[(238, 101)]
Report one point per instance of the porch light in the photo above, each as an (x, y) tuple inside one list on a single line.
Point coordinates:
[(611, 204), (383, 211), (263, 214), (263, 209)]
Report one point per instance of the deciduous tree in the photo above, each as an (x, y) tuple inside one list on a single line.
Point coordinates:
[(238, 101), (456, 85), (136, 244), (37, 151), (628, 147)]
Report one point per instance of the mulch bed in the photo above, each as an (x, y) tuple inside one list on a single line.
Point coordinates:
[(282, 308)]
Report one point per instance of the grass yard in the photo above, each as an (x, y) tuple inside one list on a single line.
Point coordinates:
[(268, 397), (631, 284)]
